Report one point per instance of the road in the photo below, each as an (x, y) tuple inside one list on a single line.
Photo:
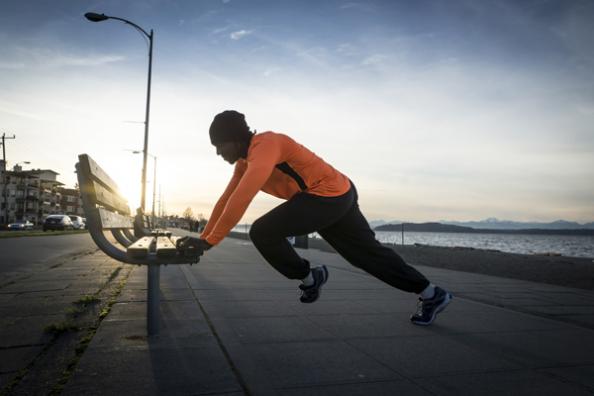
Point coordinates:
[(25, 253)]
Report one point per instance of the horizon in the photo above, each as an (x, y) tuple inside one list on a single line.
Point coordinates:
[(466, 110)]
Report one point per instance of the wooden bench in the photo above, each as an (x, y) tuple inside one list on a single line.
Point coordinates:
[(138, 241)]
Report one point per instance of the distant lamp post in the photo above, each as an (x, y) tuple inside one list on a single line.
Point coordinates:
[(154, 180), (94, 17)]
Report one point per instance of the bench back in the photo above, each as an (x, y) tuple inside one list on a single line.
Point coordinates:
[(102, 200)]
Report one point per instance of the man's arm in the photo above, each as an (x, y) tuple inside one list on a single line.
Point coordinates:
[(220, 205), (263, 159)]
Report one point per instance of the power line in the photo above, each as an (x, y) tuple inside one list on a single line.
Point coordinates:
[(4, 137)]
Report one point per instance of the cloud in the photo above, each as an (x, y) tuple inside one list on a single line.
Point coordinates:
[(47, 58), (65, 60), (356, 6), (12, 65), (375, 59), (240, 34), (270, 71), (219, 30), (9, 109)]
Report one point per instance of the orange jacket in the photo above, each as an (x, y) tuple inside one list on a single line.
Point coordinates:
[(279, 166)]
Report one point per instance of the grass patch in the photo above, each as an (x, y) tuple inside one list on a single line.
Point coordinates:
[(60, 327), (75, 311), (35, 233), (114, 274), (104, 312), (88, 337), (87, 300), (6, 391)]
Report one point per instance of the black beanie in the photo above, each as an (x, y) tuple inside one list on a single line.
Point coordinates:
[(229, 126)]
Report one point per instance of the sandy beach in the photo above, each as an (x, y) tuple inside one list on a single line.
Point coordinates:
[(555, 270)]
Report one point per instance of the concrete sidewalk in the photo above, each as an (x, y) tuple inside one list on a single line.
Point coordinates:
[(231, 326)]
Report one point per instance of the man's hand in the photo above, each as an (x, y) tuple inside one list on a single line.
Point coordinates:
[(192, 247)]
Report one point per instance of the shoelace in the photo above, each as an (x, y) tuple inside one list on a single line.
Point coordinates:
[(419, 308), (424, 305)]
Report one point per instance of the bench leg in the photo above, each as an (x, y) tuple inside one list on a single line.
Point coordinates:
[(152, 306)]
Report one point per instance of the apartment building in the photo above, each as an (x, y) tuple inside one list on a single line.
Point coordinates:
[(71, 201), (33, 195)]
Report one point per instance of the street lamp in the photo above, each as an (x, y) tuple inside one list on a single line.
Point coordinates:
[(94, 17)]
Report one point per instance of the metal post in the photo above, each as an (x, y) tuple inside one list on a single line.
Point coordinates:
[(154, 187), (402, 232), (160, 199), (94, 17), (25, 200), (152, 306), (146, 121)]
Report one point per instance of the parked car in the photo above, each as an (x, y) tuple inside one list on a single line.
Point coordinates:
[(20, 225), (78, 222), (57, 222)]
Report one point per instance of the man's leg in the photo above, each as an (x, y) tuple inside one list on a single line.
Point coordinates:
[(301, 215), (353, 239)]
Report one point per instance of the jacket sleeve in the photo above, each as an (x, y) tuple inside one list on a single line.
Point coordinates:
[(220, 205), (262, 159)]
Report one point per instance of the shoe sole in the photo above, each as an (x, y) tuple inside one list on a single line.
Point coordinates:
[(324, 280), (446, 301)]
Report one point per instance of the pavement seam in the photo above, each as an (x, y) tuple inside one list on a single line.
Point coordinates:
[(224, 350), (85, 340), (57, 262), (491, 303), (56, 336), (553, 318), (4, 348), (365, 353)]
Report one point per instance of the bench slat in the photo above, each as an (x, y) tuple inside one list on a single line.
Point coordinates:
[(141, 247), (99, 188), (90, 167), (106, 198), (165, 247), (111, 220)]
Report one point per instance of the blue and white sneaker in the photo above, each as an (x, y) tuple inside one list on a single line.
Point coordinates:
[(311, 293), (428, 309)]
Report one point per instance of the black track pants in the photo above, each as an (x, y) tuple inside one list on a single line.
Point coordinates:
[(340, 222)]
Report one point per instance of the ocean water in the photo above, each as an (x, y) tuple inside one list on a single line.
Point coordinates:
[(566, 245)]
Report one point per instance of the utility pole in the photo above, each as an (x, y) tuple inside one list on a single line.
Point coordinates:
[(4, 178), (160, 212)]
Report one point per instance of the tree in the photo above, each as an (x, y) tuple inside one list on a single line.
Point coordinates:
[(188, 214), (201, 220)]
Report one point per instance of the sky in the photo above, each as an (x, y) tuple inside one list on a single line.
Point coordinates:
[(437, 110)]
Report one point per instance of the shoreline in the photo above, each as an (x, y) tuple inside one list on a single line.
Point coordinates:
[(575, 272)]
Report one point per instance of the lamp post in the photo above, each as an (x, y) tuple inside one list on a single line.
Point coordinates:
[(154, 181), (94, 17)]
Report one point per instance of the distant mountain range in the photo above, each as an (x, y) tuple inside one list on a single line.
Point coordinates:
[(496, 224), (489, 225)]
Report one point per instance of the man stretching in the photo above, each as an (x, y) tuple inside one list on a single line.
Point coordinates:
[(319, 199)]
